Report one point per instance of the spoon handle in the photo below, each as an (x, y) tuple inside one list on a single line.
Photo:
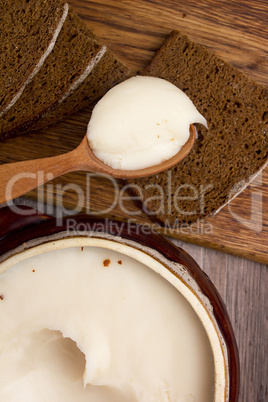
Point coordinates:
[(20, 177)]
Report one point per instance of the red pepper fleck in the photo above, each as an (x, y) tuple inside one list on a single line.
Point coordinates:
[(33, 270), (106, 263), (82, 248), (119, 262), (1, 297)]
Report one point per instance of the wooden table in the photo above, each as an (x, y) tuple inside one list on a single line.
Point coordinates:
[(242, 285), (133, 30), (237, 31)]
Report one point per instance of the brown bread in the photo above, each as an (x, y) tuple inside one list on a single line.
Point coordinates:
[(227, 155), (29, 29), (78, 71), (107, 73)]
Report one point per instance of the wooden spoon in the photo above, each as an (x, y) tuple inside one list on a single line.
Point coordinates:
[(20, 177)]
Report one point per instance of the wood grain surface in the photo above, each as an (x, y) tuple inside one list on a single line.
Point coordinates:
[(243, 287), (236, 31)]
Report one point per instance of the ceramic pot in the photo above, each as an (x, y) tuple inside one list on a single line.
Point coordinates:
[(26, 233)]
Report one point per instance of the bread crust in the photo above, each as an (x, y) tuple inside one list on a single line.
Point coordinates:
[(228, 155)]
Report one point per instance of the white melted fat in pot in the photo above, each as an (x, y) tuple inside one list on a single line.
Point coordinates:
[(141, 122), (90, 324)]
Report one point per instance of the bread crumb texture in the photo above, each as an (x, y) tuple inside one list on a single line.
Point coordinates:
[(49, 96), (225, 156), (27, 29)]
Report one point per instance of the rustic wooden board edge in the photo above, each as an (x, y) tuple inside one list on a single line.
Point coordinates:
[(232, 250), (124, 35), (241, 250)]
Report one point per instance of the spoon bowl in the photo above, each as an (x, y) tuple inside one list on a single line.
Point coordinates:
[(21, 177)]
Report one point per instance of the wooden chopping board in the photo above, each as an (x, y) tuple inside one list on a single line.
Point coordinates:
[(236, 31)]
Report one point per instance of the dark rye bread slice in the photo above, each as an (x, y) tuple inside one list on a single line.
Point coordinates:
[(107, 73), (227, 155), (78, 71), (29, 29), (72, 53)]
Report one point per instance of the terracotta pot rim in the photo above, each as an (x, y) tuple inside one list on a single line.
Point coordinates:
[(43, 232)]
